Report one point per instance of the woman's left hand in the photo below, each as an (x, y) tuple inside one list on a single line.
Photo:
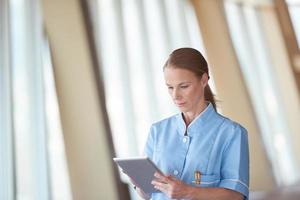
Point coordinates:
[(172, 187)]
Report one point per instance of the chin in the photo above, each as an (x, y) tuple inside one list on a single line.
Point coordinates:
[(183, 109)]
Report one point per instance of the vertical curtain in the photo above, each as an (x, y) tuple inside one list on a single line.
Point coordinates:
[(31, 146)]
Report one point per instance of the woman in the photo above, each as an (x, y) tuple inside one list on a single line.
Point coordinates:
[(203, 154)]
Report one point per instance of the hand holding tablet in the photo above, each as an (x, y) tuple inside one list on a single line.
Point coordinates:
[(141, 170)]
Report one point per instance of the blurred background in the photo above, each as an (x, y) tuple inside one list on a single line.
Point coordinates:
[(81, 82)]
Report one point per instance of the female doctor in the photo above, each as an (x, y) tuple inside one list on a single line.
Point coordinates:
[(203, 154)]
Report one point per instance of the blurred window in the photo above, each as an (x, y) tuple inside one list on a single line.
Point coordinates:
[(33, 164), (7, 181), (134, 39), (253, 55), (294, 10)]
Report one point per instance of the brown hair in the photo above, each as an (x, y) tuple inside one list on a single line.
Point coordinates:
[(192, 60)]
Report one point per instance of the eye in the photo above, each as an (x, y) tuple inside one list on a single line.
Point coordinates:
[(184, 86), (170, 88)]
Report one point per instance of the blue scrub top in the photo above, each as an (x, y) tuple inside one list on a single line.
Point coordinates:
[(214, 145)]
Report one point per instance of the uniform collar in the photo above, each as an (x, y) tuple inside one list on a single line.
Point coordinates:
[(198, 123)]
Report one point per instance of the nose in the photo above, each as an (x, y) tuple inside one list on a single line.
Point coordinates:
[(175, 94)]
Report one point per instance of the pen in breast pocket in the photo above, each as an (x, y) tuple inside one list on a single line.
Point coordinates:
[(197, 176)]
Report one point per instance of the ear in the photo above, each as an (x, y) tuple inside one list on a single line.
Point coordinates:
[(204, 80)]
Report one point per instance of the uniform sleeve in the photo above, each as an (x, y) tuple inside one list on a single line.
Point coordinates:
[(235, 163), (149, 146)]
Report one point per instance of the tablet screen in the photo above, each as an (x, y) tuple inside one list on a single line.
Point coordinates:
[(141, 170)]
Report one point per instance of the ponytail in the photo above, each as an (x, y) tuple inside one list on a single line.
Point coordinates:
[(209, 96)]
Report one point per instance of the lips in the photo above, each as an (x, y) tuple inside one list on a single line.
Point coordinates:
[(180, 104)]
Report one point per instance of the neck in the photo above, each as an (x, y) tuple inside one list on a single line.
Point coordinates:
[(191, 115)]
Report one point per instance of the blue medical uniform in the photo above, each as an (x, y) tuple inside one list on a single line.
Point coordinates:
[(214, 145)]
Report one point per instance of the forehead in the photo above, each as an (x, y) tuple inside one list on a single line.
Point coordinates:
[(177, 75)]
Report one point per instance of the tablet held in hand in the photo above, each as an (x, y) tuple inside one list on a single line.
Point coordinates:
[(141, 170)]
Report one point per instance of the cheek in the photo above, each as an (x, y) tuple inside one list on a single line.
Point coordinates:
[(197, 93)]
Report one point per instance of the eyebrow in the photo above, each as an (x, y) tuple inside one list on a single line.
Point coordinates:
[(182, 83)]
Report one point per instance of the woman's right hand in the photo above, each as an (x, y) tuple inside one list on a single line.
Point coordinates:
[(139, 190), (142, 193)]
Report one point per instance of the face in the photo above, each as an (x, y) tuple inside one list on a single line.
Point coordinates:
[(185, 88)]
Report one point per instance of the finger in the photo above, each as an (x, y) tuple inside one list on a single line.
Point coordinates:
[(158, 173), (172, 178), (158, 180), (162, 189), (162, 178), (160, 186)]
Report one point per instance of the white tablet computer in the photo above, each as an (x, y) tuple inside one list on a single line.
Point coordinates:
[(141, 170)]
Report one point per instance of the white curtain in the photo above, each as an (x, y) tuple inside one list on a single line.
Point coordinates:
[(254, 56), (134, 39), (33, 165)]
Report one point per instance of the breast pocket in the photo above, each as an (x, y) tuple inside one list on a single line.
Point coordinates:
[(208, 181)]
